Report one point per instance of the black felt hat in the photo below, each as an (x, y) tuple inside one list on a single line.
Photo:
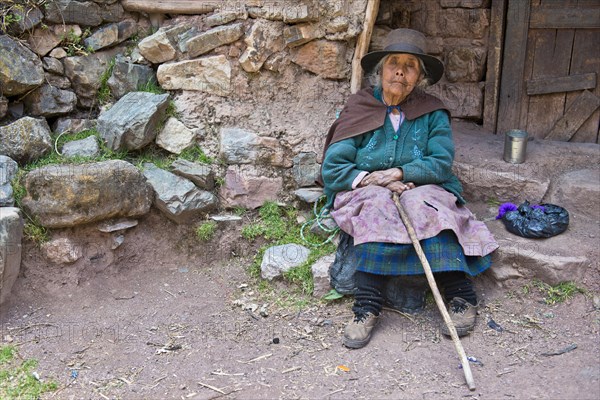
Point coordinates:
[(406, 41)]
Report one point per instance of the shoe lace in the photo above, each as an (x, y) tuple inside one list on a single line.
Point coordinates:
[(360, 318)]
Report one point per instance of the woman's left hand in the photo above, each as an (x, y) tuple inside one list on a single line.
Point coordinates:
[(400, 187), (382, 178)]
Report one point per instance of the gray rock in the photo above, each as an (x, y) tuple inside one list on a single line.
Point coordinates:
[(280, 259), (131, 123), (209, 74), (50, 101), (248, 187), (53, 65), (11, 234), (225, 218), (160, 46), (74, 12), (175, 136), (201, 174), (112, 12), (3, 106), (320, 274), (116, 225), (20, 69), (8, 170), (178, 198), (85, 72), (106, 36), (73, 125), (309, 195), (129, 77), (61, 251), (6, 195), (25, 140), (305, 169), (463, 3), (69, 195), (28, 18), (239, 146), (87, 147), (324, 227), (296, 35), (58, 53), (225, 16), (57, 81), (578, 191), (213, 38), (263, 39)]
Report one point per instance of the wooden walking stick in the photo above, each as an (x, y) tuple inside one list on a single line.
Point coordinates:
[(436, 293)]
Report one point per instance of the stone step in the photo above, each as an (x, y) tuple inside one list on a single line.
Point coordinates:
[(570, 256)]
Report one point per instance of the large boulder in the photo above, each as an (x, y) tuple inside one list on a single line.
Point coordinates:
[(209, 74), (20, 69), (161, 46), (132, 122), (67, 195), (26, 139), (178, 198), (50, 101), (280, 259), (11, 233)]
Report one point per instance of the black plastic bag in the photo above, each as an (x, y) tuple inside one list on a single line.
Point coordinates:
[(535, 221)]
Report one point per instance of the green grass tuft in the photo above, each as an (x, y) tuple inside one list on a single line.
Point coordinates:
[(206, 231), (104, 93), (278, 226), (196, 154), (17, 379), (558, 293)]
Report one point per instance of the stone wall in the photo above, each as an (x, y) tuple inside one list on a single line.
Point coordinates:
[(255, 84)]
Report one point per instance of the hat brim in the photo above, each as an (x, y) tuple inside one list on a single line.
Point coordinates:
[(434, 67)]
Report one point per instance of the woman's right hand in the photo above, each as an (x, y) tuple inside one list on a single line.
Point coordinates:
[(400, 187)]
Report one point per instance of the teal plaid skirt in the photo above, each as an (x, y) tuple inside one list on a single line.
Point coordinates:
[(443, 253)]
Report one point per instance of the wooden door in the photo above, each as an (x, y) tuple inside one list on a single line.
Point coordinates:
[(549, 83)]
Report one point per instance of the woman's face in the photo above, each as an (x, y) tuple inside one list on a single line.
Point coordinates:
[(400, 74)]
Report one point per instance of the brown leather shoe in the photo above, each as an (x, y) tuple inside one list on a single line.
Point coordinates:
[(358, 331), (463, 314)]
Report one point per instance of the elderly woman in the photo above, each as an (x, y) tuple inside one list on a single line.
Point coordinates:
[(396, 138)]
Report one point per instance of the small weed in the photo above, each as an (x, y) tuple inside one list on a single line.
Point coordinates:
[(172, 110), (151, 87), (239, 211), (74, 43), (17, 380), (35, 232), (493, 202), (219, 181), (155, 155), (206, 231), (558, 293), (196, 154), (104, 93)]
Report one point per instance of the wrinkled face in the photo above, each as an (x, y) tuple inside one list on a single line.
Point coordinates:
[(400, 74)]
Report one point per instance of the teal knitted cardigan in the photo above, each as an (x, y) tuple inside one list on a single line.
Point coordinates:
[(422, 147)]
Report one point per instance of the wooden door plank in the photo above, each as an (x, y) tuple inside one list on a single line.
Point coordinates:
[(568, 83), (579, 111), (513, 64), (171, 6), (552, 57), (562, 18), (586, 59), (494, 64)]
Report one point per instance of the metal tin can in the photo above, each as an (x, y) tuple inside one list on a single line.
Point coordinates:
[(515, 146)]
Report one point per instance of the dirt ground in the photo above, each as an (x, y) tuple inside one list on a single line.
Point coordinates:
[(156, 319)]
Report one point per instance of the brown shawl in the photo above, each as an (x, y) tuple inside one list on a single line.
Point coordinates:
[(363, 113)]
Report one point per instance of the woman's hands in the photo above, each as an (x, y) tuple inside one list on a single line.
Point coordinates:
[(388, 178), (382, 178)]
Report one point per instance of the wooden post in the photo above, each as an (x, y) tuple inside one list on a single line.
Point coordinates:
[(362, 44)]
